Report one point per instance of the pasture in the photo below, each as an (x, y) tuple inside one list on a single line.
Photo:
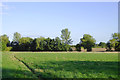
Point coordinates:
[(59, 65)]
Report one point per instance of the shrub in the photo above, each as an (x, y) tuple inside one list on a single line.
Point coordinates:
[(78, 47), (8, 49)]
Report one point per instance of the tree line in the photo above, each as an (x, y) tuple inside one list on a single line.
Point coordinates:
[(20, 43)]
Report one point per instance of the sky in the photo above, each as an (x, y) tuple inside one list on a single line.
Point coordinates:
[(47, 19)]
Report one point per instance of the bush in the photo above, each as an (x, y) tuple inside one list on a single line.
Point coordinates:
[(78, 47), (3, 46), (8, 49), (109, 46)]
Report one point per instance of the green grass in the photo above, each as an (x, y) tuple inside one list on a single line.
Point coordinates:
[(12, 68), (63, 65)]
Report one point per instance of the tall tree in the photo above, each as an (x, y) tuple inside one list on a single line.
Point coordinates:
[(4, 38), (16, 37), (66, 36), (114, 42), (87, 42), (115, 35)]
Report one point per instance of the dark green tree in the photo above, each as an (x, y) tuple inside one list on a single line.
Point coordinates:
[(15, 46), (57, 44), (117, 46), (25, 43), (78, 47), (109, 46), (87, 42), (102, 44), (48, 46), (38, 44)]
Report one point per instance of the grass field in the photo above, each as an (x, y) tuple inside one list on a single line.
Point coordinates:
[(59, 65)]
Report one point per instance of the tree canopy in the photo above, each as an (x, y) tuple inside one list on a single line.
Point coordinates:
[(102, 44), (4, 42), (66, 36), (87, 42), (16, 37)]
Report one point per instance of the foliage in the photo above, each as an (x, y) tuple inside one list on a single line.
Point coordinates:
[(102, 44), (2, 46), (25, 43), (66, 36), (8, 49), (48, 44), (87, 42), (57, 44), (4, 42), (115, 35), (108, 46), (78, 47), (15, 46), (16, 37), (4, 38), (117, 46), (114, 42)]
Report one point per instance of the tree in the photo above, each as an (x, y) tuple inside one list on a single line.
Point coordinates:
[(4, 41), (78, 47), (49, 46), (38, 44), (66, 36), (114, 42), (102, 44), (15, 46), (115, 35), (57, 44), (2, 46), (16, 37), (4, 38), (87, 42), (42, 44), (117, 46), (25, 43), (109, 46)]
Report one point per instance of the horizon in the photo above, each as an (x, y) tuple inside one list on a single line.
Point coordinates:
[(35, 19)]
